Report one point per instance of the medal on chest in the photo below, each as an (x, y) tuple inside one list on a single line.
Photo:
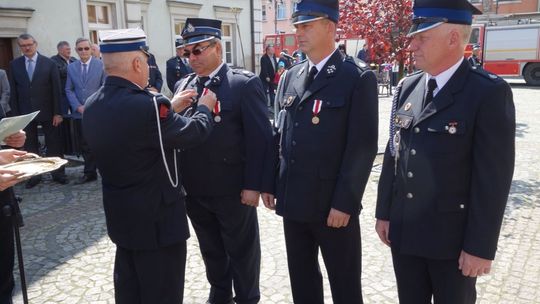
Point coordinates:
[(317, 103), (217, 107)]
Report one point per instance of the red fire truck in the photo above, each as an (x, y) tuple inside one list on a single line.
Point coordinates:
[(282, 42), (509, 50)]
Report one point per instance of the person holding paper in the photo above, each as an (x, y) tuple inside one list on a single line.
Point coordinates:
[(8, 178)]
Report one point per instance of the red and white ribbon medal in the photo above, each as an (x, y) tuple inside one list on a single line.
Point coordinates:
[(316, 110), (217, 111)]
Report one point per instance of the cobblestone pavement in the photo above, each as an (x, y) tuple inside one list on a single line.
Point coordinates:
[(69, 258)]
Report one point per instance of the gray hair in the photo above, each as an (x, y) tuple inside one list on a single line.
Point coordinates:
[(79, 40), (61, 44), (26, 36)]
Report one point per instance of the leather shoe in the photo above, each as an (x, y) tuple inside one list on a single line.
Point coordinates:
[(62, 180), (85, 179), (32, 182)]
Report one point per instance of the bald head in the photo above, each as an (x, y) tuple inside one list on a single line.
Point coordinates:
[(132, 66)]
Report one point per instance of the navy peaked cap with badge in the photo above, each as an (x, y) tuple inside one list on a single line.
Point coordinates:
[(123, 40), (311, 10), (429, 14), (179, 42), (198, 30)]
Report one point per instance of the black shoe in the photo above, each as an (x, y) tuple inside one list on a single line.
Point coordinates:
[(32, 182), (62, 179), (85, 179)]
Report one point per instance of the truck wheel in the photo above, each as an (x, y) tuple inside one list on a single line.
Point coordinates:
[(531, 73)]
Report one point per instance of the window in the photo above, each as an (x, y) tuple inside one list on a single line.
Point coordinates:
[(99, 18), (281, 11), (264, 13), (475, 35), (227, 42), (178, 27)]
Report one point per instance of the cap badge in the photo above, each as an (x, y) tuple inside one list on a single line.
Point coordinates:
[(190, 28)]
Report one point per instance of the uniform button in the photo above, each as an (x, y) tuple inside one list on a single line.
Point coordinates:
[(413, 152), (462, 206), (292, 161), (409, 195), (300, 108), (294, 143), (410, 175), (296, 125), (417, 130)]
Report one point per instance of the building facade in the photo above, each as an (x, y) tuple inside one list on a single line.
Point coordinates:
[(53, 21), (276, 16), (502, 7)]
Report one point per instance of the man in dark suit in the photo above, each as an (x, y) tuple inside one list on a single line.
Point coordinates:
[(62, 60), (328, 127), (8, 178), (85, 77), (363, 54), (35, 85), (268, 71), (178, 66), (448, 167), (225, 176), (134, 136)]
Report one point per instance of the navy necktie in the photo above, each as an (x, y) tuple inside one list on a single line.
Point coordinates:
[(432, 85), (84, 72), (312, 72)]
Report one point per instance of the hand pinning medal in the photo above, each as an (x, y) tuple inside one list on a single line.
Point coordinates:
[(217, 107), (316, 110)]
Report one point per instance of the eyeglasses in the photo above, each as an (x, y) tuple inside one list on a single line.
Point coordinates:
[(197, 51), (22, 46), (80, 49)]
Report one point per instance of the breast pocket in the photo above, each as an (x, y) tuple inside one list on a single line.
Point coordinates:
[(446, 136)]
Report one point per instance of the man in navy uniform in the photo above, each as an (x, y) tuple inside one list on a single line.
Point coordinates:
[(177, 66), (474, 59), (134, 136), (225, 176), (448, 166), (328, 127)]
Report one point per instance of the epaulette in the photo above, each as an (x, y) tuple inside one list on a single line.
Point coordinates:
[(414, 73), (295, 64), (486, 74), (357, 62), (243, 72)]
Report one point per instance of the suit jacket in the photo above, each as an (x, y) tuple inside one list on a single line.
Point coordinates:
[(4, 94), (268, 69), (143, 210), (326, 164), (43, 93), (239, 154), (176, 70), (62, 70), (449, 189), (78, 91)]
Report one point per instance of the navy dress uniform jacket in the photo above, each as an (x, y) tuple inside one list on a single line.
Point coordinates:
[(143, 210), (43, 93), (326, 165), (176, 70), (240, 152), (456, 160)]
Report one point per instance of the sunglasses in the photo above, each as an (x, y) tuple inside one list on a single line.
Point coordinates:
[(197, 51), (83, 48)]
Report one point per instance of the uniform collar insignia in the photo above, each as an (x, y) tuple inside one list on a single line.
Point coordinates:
[(216, 80), (330, 69)]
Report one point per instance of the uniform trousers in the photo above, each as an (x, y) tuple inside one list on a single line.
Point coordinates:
[(53, 141), (150, 276), (419, 279), (228, 234), (342, 255)]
